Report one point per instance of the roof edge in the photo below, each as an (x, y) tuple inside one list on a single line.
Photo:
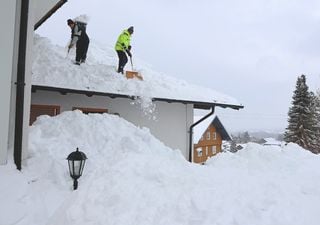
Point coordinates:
[(48, 14), (197, 104), (217, 122)]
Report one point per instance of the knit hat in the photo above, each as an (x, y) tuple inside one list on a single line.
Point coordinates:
[(130, 29), (70, 21)]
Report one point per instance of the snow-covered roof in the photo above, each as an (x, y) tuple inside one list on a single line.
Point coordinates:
[(271, 141), (200, 128), (53, 67)]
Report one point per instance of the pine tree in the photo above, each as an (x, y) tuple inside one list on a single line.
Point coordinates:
[(301, 122), (316, 116), (246, 137)]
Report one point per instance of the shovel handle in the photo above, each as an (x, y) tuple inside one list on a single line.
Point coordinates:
[(131, 63)]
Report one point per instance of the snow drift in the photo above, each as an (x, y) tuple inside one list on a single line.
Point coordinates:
[(132, 178)]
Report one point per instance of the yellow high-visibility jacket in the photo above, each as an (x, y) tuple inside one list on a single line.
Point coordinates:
[(123, 41)]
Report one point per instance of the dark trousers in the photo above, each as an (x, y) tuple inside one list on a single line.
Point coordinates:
[(123, 59), (82, 49)]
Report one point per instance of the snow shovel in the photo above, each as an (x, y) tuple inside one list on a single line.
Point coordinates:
[(68, 53), (133, 74)]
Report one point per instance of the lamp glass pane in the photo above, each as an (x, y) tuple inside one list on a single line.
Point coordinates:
[(82, 166), (77, 168), (70, 167)]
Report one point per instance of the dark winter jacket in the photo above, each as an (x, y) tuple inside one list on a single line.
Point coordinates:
[(78, 34)]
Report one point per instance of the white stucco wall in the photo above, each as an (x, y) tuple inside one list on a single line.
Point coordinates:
[(7, 21), (27, 88), (170, 126), (10, 22)]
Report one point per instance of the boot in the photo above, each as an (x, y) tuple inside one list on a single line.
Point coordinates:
[(120, 70)]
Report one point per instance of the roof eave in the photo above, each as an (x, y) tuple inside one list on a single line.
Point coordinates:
[(48, 14), (197, 104), (224, 133)]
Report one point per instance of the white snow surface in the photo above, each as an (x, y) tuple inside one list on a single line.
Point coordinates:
[(52, 66), (82, 18), (131, 178)]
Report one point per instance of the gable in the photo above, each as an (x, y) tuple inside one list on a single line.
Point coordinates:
[(220, 129), (200, 129)]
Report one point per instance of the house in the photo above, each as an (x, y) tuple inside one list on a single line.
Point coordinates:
[(174, 109), (271, 142), (173, 116), (18, 19), (161, 103), (208, 137)]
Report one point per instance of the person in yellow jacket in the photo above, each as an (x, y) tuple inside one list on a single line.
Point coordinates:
[(123, 48)]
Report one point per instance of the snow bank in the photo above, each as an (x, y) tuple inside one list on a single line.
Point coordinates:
[(52, 67), (132, 178)]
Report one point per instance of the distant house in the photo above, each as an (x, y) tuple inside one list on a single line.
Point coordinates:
[(208, 137), (271, 142)]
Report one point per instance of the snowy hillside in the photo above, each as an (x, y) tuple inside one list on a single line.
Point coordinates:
[(131, 178), (52, 66)]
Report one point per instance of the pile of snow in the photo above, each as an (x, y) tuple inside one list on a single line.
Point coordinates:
[(82, 18), (132, 178), (52, 66)]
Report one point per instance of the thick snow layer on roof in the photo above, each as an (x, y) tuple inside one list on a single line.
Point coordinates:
[(272, 141), (200, 128), (52, 66)]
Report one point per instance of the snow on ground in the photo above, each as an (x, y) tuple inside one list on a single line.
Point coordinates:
[(131, 178), (52, 66)]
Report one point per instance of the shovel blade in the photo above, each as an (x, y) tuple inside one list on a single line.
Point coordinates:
[(133, 74)]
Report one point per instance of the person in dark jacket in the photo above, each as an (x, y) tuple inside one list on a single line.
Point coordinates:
[(123, 48), (80, 39)]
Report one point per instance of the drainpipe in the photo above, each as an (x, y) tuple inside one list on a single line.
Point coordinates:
[(20, 83), (191, 132)]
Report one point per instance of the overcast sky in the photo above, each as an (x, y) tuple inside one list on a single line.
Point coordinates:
[(253, 50)]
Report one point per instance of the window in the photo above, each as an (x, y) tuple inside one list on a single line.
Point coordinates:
[(210, 150), (90, 110), (207, 150), (214, 150), (199, 151), (214, 136), (38, 110), (208, 135)]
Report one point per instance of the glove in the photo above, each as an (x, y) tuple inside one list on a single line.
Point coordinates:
[(129, 53), (129, 47)]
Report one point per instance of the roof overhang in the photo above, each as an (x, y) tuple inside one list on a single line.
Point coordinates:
[(49, 13), (220, 128), (196, 104)]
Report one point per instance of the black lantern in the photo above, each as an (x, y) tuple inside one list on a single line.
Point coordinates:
[(76, 161)]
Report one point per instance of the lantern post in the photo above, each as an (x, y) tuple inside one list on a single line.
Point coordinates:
[(76, 162)]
